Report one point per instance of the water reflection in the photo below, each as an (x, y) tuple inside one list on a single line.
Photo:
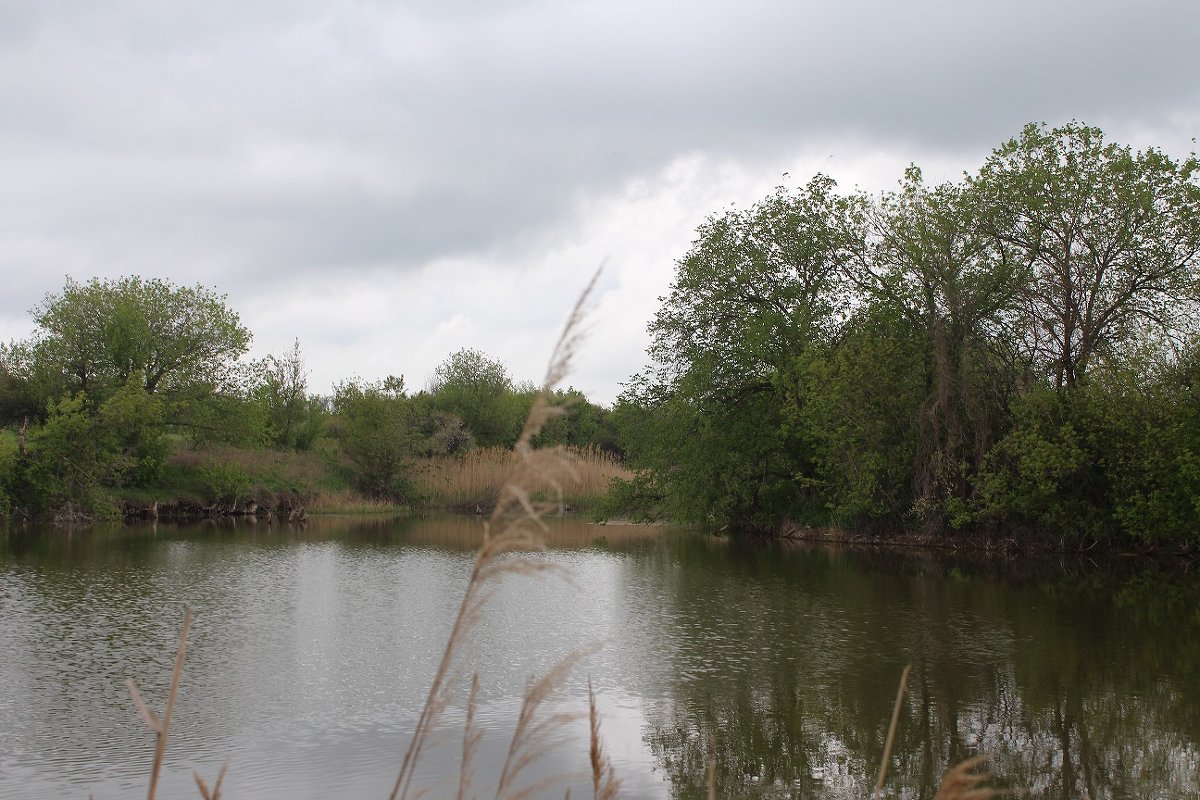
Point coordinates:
[(1061, 672), (313, 647)]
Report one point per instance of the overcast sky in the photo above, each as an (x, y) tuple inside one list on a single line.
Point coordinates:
[(390, 182)]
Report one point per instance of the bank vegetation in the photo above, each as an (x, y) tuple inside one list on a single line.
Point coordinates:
[(1014, 353), (134, 397)]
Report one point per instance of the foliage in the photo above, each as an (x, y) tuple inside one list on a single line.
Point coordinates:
[(120, 372), (375, 431), (96, 337), (225, 482), (1013, 348), (9, 451), (292, 419), (480, 392), (759, 291), (1111, 238)]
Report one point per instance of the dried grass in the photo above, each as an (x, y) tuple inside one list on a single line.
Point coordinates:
[(963, 783), (891, 734), (348, 501), (305, 469), (162, 727), (605, 783), (215, 794), (478, 476)]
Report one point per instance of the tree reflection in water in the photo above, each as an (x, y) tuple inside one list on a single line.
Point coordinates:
[(1078, 680)]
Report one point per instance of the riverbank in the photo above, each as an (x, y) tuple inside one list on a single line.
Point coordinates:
[(1009, 544), (238, 482)]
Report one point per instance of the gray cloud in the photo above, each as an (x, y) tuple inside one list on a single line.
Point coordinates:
[(264, 142)]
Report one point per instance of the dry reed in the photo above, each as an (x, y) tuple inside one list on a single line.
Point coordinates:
[(891, 734), (478, 476), (471, 737), (215, 793), (604, 780), (962, 783), (348, 501), (162, 727), (515, 525)]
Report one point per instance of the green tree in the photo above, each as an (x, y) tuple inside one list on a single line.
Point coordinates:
[(757, 295), (77, 455), (293, 420), (933, 263), (480, 392), (180, 343), (377, 433), (1111, 239)]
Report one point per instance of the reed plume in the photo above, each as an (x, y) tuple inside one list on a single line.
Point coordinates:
[(963, 783), (515, 525), (604, 780)]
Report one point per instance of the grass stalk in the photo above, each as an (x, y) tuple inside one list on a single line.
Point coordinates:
[(471, 737), (162, 727), (215, 792), (604, 781), (516, 523), (963, 783), (891, 734)]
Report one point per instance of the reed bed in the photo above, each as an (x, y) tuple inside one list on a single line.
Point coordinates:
[(477, 477)]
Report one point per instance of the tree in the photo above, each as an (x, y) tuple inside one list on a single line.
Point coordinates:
[(377, 434), (177, 342), (480, 392), (79, 454), (710, 423), (1110, 237), (281, 386), (932, 262)]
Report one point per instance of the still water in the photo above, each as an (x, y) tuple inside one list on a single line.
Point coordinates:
[(311, 653)]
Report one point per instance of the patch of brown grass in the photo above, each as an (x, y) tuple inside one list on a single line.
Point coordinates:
[(348, 501), (478, 476)]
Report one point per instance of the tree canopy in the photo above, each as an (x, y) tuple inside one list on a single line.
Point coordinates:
[(936, 356), (95, 337)]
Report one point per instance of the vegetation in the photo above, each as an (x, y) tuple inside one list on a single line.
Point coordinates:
[(1012, 351), (134, 394)]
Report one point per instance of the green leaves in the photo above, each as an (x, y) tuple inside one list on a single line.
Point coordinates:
[(971, 353), (98, 335)]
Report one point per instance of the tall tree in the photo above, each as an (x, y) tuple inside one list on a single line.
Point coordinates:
[(758, 293), (932, 261), (378, 436), (96, 336), (281, 386), (479, 390), (1111, 238)]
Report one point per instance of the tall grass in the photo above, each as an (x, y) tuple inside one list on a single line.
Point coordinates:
[(477, 477)]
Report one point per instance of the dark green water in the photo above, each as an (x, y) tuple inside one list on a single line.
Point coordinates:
[(312, 650)]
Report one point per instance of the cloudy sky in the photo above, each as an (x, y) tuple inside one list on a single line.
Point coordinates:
[(392, 181)]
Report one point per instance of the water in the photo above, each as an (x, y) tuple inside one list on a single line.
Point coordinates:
[(312, 651)]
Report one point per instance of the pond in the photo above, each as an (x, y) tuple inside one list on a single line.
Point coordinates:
[(312, 650)]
